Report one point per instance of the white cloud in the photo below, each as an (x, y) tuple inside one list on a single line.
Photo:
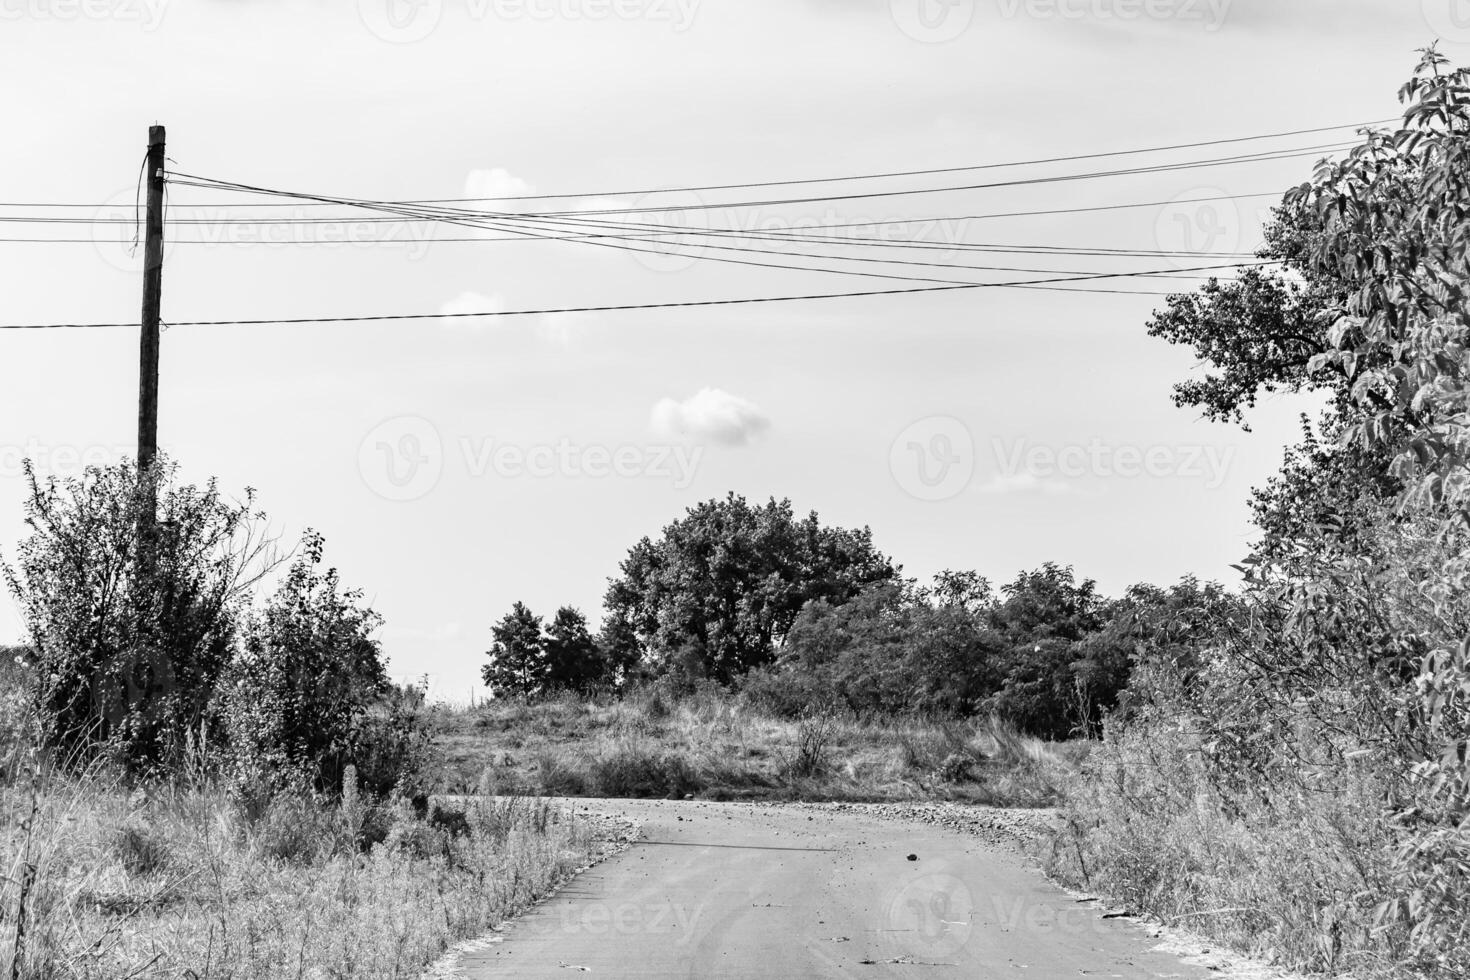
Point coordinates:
[(495, 184), (565, 329), (711, 415), (471, 302)]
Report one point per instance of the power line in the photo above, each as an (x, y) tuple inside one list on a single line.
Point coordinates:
[(839, 258), (423, 213), (824, 180), (932, 219), (1059, 283)]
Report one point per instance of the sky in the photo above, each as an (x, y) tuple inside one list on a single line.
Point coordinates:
[(456, 466)]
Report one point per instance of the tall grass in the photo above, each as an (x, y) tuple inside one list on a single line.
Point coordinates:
[(1289, 867), (103, 883), (722, 748)]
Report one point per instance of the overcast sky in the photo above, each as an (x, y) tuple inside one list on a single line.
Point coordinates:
[(458, 466)]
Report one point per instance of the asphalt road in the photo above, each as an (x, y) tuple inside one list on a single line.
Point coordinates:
[(715, 891)]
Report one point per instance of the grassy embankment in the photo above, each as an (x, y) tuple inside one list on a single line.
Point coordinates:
[(718, 748)]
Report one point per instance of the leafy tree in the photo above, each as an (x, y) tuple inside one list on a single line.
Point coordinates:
[(1396, 220), (619, 650), (299, 691), (518, 664), (573, 659), (890, 650), (722, 586), (131, 621)]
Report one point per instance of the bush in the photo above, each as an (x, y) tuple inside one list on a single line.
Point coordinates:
[(140, 849), (130, 629), (631, 771), (307, 694), (808, 759)]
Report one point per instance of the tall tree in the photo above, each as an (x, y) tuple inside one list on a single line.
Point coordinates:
[(721, 587), (573, 660), (518, 659)]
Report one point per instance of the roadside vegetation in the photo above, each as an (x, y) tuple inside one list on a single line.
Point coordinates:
[(200, 777), (1296, 780), (205, 772), (712, 746)]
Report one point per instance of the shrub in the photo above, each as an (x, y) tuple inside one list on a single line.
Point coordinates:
[(140, 849), (809, 756), (131, 627), (955, 768), (631, 771), (305, 696), (296, 827)]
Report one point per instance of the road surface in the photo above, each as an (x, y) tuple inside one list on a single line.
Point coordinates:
[(719, 891)]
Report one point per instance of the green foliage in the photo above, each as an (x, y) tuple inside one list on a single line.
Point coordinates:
[(1316, 752), (722, 586), (303, 696), (573, 659), (132, 622), (1049, 655), (517, 666)]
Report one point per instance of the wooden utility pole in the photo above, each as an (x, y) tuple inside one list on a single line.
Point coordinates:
[(152, 305)]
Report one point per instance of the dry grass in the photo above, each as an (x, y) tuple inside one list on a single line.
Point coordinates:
[(177, 883), (721, 749), (1290, 870)]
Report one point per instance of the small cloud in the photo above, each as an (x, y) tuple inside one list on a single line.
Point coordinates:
[(564, 329), (467, 303), (711, 415), (495, 184)]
